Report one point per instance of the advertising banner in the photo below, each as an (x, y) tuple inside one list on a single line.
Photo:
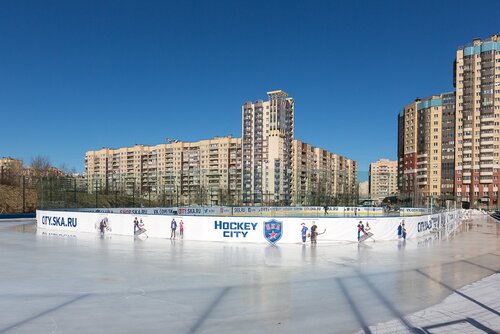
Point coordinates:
[(239, 229), (413, 211), (250, 211)]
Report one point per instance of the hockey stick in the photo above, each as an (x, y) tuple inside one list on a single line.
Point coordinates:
[(322, 232)]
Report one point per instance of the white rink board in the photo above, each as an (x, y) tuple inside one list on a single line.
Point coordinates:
[(245, 229)]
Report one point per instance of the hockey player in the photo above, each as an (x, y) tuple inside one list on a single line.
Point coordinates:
[(304, 232)]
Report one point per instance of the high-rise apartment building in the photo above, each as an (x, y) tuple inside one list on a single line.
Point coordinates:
[(383, 179), (435, 145), (407, 148), (321, 177), (266, 167), (203, 172), (267, 129), (448, 145), (426, 135), (477, 83)]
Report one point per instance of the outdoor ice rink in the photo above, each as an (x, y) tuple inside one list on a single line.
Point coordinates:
[(82, 283)]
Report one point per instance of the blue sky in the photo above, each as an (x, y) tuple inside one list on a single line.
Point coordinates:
[(80, 75)]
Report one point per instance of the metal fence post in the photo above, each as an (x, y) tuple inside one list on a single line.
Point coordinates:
[(133, 194), (50, 189), (74, 193), (41, 193), (24, 195), (96, 193)]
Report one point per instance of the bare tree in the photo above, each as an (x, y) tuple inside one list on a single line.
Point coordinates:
[(65, 168), (40, 163)]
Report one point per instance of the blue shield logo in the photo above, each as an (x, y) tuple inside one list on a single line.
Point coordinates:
[(273, 230)]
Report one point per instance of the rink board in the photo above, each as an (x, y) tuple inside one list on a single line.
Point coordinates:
[(245, 229)]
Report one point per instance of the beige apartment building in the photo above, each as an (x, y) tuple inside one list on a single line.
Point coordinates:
[(267, 130), (383, 179), (182, 173), (320, 177), (435, 146), (265, 167), (426, 148), (477, 83), (10, 169)]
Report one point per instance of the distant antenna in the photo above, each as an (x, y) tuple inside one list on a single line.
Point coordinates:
[(170, 140)]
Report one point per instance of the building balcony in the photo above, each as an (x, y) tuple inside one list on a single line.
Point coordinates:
[(487, 141), (486, 134), (486, 157), (487, 119)]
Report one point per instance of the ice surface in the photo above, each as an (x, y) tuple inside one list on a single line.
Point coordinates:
[(81, 283)]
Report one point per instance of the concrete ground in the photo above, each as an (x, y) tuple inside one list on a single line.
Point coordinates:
[(473, 309), (82, 283)]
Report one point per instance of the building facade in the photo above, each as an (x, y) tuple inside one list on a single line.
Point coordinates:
[(10, 169), (383, 179), (267, 130), (477, 83), (435, 146), (364, 190), (407, 149), (426, 149), (204, 172), (265, 167), (321, 177)]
